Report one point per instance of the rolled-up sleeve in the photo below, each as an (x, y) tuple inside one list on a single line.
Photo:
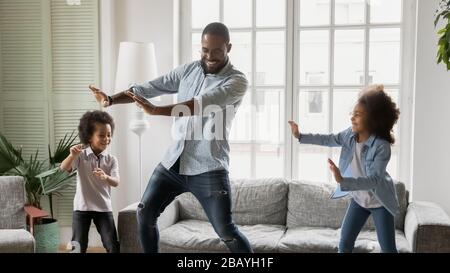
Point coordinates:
[(164, 85), (329, 140), (230, 93)]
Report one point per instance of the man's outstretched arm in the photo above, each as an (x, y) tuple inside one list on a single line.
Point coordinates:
[(164, 85), (182, 109), (217, 99)]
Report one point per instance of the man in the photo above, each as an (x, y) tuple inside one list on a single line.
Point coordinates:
[(198, 160)]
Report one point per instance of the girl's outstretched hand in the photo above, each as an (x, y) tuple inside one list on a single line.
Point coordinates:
[(335, 170), (294, 129)]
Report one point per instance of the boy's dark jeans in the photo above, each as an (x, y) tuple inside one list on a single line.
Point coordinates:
[(104, 222), (212, 190)]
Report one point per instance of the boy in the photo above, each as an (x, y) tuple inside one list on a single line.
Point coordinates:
[(97, 172)]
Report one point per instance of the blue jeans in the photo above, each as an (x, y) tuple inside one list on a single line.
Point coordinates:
[(212, 190), (354, 220)]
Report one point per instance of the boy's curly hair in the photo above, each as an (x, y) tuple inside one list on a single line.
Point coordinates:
[(382, 112), (87, 124)]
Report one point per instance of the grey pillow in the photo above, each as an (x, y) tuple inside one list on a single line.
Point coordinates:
[(254, 201), (309, 205)]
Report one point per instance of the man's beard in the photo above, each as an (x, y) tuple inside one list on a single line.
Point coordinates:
[(215, 70)]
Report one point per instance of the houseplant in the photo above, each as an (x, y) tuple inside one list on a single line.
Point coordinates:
[(42, 178), (443, 14)]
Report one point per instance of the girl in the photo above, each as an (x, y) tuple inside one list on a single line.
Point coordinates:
[(366, 151)]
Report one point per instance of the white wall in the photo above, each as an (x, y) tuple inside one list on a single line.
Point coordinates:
[(431, 152), (141, 21)]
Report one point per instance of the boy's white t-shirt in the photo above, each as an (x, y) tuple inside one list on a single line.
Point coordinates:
[(364, 198), (93, 194)]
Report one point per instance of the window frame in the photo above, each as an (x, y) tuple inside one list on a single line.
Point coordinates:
[(292, 84)]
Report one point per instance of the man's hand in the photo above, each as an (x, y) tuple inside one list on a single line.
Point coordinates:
[(76, 150), (100, 96), (335, 170), (294, 129), (100, 174), (142, 103)]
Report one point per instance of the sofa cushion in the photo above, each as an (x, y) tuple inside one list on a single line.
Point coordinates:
[(309, 205), (16, 241), (309, 239), (12, 200), (254, 201), (199, 236), (323, 240)]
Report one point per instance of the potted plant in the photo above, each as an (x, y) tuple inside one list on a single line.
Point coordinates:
[(443, 13), (42, 178)]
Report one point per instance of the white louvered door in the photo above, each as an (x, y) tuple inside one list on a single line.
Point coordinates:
[(24, 107), (75, 62), (49, 54)]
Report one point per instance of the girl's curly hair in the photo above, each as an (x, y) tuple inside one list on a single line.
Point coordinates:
[(87, 124), (382, 112)]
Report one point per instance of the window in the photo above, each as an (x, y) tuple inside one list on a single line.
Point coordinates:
[(356, 44), (306, 60), (258, 34)]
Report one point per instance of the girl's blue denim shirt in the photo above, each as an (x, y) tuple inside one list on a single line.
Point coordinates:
[(376, 154)]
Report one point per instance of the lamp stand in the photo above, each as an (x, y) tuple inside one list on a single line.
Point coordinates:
[(138, 126)]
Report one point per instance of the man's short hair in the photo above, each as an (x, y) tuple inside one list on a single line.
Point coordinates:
[(217, 29)]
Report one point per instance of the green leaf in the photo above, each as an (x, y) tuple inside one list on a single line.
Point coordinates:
[(55, 180), (436, 21), (39, 179), (441, 49), (440, 15), (63, 148), (445, 57), (47, 173), (442, 40), (10, 157)]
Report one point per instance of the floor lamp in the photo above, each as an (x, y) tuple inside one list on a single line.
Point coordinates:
[(136, 64)]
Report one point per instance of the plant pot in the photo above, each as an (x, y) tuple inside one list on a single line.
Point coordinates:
[(46, 235)]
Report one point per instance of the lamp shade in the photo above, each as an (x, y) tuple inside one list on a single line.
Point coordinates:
[(136, 64)]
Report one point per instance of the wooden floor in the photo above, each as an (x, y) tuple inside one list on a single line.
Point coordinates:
[(62, 249)]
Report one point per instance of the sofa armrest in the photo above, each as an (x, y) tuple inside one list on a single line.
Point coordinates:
[(427, 227), (128, 230)]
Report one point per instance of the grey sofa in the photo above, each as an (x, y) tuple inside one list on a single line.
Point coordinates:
[(287, 216), (14, 238)]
